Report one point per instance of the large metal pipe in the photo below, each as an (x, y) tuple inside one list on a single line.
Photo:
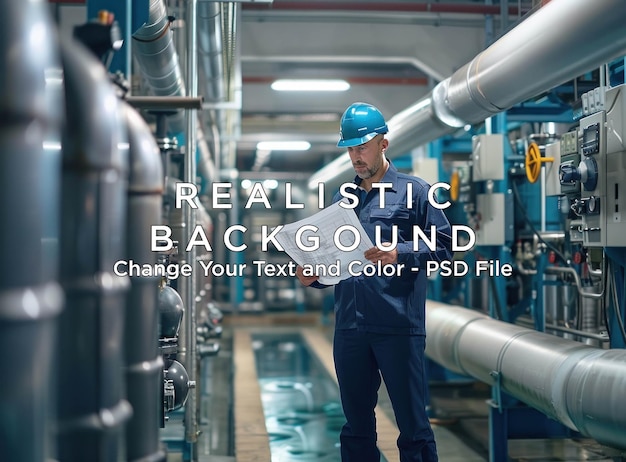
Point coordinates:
[(542, 52), (581, 386), (155, 52), (92, 408), (30, 165), (144, 365)]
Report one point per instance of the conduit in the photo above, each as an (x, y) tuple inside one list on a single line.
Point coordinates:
[(188, 342), (30, 165), (542, 52), (580, 386)]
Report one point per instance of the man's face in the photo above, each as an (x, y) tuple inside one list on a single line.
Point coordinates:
[(367, 158)]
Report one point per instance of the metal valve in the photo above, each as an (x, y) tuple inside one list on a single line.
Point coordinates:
[(586, 173)]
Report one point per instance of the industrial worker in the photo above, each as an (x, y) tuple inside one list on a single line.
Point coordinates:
[(380, 320)]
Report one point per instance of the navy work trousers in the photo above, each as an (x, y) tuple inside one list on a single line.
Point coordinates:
[(359, 356)]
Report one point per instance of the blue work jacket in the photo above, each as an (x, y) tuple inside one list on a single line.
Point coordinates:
[(393, 304)]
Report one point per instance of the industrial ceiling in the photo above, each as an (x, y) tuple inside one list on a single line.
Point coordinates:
[(391, 53)]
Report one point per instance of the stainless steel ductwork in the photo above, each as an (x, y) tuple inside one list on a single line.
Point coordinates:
[(30, 165), (144, 365), (155, 52), (92, 408), (562, 40), (581, 386), (156, 55)]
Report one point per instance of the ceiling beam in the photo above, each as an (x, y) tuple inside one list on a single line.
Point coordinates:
[(428, 7)]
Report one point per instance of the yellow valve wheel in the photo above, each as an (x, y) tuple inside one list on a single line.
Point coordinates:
[(533, 162), (455, 183)]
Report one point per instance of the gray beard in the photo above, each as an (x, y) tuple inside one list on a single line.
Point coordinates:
[(366, 175), (370, 172)]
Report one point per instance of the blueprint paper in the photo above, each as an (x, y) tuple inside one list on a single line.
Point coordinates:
[(328, 256)]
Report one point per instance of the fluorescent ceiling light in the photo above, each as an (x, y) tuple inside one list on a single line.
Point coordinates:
[(310, 85), (283, 145)]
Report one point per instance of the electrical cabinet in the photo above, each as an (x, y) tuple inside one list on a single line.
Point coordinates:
[(593, 191), (601, 170), (615, 188), (490, 226), (488, 157)]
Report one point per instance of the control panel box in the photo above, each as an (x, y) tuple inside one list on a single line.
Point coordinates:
[(592, 170), (488, 157), (490, 226), (616, 119), (594, 177), (616, 199), (615, 160)]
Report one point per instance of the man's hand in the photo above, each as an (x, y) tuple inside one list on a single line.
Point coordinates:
[(305, 280), (386, 257)]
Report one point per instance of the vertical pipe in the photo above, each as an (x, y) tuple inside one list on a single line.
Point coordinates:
[(211, 69), (234, 90), (543, 198), (30, 298), (234, 258), (144, 365), (504, 17), (189, 293), (489, 32), (210, 49), (92, 408), (128, 52)]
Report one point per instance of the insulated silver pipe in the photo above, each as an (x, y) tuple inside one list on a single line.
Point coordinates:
[(581, 386), (30, 166), (92, 408), (542, 52), (144, 365), (156, 54), (154, 49)]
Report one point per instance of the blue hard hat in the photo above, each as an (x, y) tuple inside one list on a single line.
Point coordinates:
[(360, 123)]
